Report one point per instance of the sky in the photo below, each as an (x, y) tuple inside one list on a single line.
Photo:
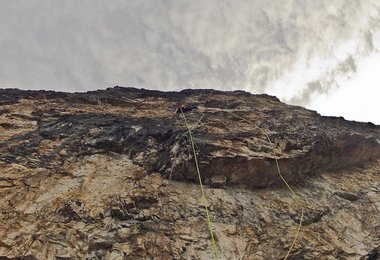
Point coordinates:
[(324, 55)]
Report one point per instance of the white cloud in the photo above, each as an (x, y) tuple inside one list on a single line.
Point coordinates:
[(356, 98), (294, 49)]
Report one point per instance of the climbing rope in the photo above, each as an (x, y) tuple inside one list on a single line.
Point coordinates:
[(282, 178), (214, 246), (215, 249)]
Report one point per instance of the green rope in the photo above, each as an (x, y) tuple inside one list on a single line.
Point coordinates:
[(215, 249), (282, 178)]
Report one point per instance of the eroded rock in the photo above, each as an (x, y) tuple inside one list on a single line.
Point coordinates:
[(110, 174)]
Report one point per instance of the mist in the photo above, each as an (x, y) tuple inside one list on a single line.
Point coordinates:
[(318, 54)]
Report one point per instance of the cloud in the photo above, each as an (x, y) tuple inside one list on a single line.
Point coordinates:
[(291, 48), (325, 82), (356, 98)]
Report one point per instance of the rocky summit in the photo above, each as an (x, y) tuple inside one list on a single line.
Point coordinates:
[(110, 174)]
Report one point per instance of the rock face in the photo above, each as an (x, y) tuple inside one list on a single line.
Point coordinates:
[(110, 175)]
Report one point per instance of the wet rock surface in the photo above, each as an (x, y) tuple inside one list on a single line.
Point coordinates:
[(86, 176)]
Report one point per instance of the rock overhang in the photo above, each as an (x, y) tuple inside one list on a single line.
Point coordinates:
[(233, 132)]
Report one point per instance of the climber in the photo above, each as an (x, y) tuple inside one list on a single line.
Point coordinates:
[(182, 107)]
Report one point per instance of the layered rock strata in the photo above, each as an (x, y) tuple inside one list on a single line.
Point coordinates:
[(86, 176)]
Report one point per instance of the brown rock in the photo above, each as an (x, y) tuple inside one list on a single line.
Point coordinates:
[(86, 175)]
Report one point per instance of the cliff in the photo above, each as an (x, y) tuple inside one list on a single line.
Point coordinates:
[(110, 174)]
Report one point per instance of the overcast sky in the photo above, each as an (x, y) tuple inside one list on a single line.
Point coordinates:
[(323, 54)]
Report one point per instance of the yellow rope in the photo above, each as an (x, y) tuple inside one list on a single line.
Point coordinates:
[(296, 236), (216, 254), (282, 178)]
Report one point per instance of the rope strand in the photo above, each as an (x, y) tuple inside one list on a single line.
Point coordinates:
[(282, 178), (215, 249)]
